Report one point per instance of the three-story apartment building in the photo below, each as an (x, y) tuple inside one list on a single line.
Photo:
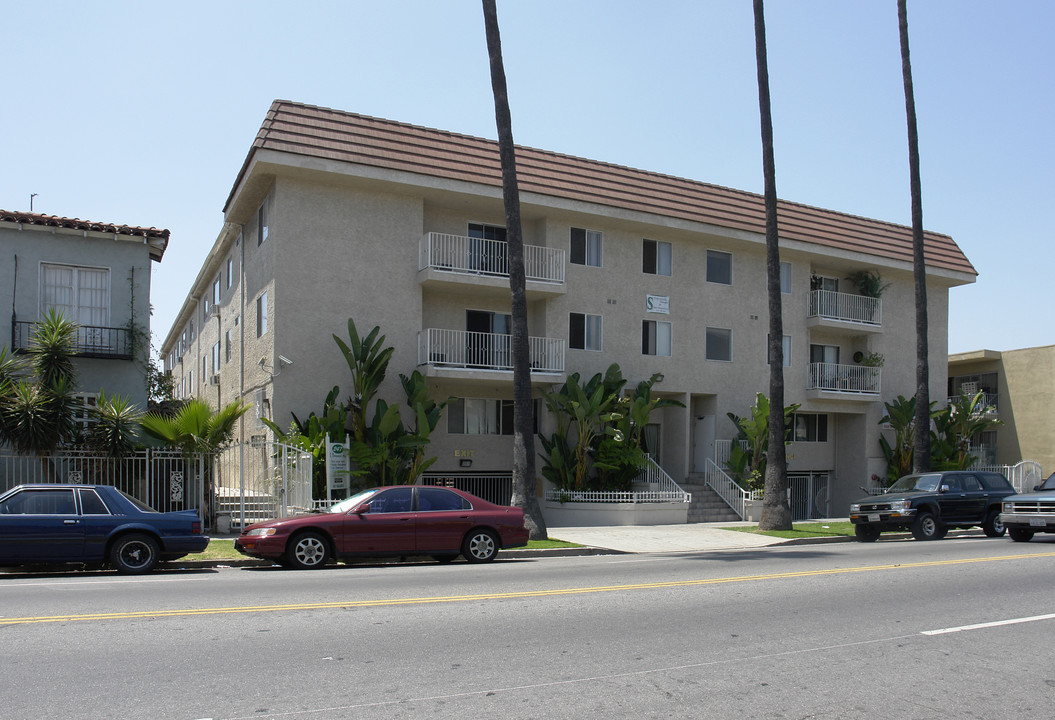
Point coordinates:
[(336, 215)]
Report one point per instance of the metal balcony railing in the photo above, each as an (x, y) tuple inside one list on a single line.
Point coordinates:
[(846, 307), (91, 341), (861, 379), (476, 256), (486, 351)]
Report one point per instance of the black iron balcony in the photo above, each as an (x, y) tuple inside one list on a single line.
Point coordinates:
[(114, 343)]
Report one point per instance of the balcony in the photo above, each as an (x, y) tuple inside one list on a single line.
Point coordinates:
[(843, 311), (480, 263), (91, 342), (987, 405), (459, 353), (843, 382)]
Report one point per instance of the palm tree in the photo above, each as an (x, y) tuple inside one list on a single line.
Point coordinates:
[(524, 480), (921, 439), (196, 429), (776, 514)]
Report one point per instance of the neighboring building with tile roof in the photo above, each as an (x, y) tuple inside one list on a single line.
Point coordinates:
[(336, 215), (97, 274)]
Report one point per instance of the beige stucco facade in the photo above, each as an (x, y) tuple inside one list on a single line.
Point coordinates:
[(1020, 385), (345, 241)]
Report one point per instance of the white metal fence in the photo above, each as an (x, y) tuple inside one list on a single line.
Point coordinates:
[(844, 378), (477, 256), (486, 351), (257, 481), (846, 307), (652, 485), (162, 478), (495, 488)]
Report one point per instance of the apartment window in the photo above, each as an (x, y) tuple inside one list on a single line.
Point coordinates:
[(230, 272), (190, 383), (586, 247), (83, 404), (824, 354), (488, 251), (719, 267), (262, 223), (216, 357), (261, 314), (204, 311), (216, 291), (655, 257), (785, 278), (204, 367), (483, 416), (719, 344), (655, 338), (81, 294), (227, 347), (785, 345), (190, 328), (584, 331), (810, 427)]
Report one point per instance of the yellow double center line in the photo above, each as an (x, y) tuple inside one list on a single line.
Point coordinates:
[(502, 596)]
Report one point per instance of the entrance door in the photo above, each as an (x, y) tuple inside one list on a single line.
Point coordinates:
[(703, 442), (489, 338)]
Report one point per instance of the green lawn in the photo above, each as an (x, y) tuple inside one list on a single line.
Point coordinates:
[(803, 530), (223, 549)]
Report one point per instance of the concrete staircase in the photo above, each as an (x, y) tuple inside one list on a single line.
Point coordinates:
[(706, 504)]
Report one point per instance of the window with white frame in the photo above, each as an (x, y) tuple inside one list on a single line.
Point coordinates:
[(83, 406), (810, 427), (785, 347), (190, 330), (719, 343), (216, 291), (719, 267), (230, 272), (655, 257), (81, 294), (227, 346), (586, 247), (584, 331), (261, 314), (785, 278), (483, 416), (655, 338), (216, 357), (204, 310), (204, 367), (262, 223)]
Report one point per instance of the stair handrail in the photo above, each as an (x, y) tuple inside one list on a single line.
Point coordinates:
[(728, 489)]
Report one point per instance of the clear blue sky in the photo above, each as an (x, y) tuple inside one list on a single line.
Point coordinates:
[(141, 113)]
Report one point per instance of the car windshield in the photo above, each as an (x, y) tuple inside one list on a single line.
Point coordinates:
[(925, 483), (1049, 484), (358, 499)]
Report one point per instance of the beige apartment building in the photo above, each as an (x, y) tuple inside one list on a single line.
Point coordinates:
[(1018, 388), (336, 215)]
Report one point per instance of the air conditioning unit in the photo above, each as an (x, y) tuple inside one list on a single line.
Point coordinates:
[(214, 379)]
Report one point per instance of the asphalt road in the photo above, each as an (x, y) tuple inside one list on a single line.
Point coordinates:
[(959, 628)]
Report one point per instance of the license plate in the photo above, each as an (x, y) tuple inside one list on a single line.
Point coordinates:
[(1037, 522), (873, 517)]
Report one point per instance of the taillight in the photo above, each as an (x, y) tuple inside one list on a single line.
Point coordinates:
[(195, 527)]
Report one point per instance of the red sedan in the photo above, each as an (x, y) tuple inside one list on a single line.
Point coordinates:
[(402, 520)]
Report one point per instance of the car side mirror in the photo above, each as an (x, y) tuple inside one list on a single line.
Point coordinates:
[(362, 509), (1036, 488), (944, 489)]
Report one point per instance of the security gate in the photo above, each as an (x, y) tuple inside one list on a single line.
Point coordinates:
[(808, 495), (260, 480)]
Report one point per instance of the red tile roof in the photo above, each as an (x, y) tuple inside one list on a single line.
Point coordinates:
[(332, 134), (26, 218)]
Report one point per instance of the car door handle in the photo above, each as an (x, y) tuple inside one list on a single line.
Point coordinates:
[(69, 522)]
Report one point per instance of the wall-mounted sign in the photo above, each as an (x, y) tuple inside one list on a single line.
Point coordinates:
[(657, 304), (337, 466)]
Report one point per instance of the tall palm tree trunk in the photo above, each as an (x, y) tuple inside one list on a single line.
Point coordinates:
[(921, 431), (524, 480), (776, 515)]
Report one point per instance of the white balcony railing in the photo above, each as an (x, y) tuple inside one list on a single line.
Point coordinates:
[(987, 404), (846, 307), (476, 256), (486, 351), (860, 379)]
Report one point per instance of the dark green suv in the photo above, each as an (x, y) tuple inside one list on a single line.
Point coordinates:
[(930, 504)]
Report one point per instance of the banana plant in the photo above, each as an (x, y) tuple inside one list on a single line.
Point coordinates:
[(368, 360), (748, 456)]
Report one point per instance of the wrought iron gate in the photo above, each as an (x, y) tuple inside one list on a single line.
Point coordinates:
[(260, 480)]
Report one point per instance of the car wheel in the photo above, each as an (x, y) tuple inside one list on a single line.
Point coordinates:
[(927, 527), (307, 551), (1020, 534), (866, 533), (480, 546), (134, 554), (993, 525), (444, 559)]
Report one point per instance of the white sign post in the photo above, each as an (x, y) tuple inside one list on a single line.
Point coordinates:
[(337, 467)]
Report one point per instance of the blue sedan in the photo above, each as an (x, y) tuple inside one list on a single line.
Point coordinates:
[(95, 525)]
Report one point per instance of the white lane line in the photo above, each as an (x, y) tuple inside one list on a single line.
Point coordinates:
[(997, 623)]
